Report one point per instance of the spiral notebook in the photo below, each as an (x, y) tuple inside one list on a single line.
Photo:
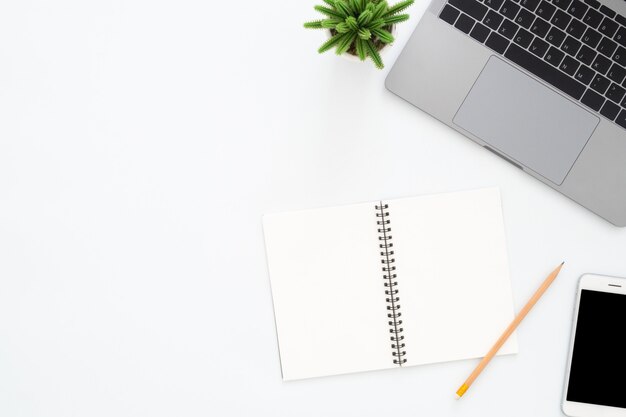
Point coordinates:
[(389, 283)]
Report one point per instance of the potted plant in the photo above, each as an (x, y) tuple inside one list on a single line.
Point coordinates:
[(359, 27)]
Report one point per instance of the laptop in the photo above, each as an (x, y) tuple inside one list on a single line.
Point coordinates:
[(540, 83)]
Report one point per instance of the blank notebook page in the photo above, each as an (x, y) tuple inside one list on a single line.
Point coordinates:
[(334, 314), (453, 275), (327, 289)]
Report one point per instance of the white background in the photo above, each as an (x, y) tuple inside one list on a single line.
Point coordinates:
[(140, 143)]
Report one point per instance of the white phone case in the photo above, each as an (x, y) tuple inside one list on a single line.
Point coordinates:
[(600, 283)]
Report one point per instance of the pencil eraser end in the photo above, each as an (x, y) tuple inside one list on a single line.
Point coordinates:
[(461, 391)]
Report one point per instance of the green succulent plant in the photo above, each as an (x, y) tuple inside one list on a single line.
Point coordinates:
[(360, 27)]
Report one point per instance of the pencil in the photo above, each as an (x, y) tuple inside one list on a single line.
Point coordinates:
[(509, 330)]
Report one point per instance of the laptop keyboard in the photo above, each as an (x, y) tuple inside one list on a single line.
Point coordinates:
[(579, 47)]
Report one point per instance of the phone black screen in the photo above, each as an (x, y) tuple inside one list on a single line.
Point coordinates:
[(598, 370)]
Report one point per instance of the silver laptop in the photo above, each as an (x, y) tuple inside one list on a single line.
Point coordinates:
[(541, 83)]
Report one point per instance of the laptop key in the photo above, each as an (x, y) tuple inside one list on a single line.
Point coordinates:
[(593, 18), (524, 18), (493, 20), (621, 119), (508, 29), (601, 64), (539, 47), (523, 38), (571, 46), (561, 19), (576, 28), (554, 56), (545, 71), (615, 93), (464, 23), (540, 27), (509, 9), (593, 100), (555, 37), (591, 37), (593, 3), (608, 27), (480, 32), (606, 47), (610, 110), (497, 43), (471, 7), (620, 36), (586, 55), (600, 84), (620, 56), (569, 66), (449, 14), (563, 4), (578, 9), (607, 11), (530, 4), (494, 4), (585, 74), (545, 10), (617, 73), (621, 19)]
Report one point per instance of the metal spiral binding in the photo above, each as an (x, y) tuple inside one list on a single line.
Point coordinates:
[(391, 284)]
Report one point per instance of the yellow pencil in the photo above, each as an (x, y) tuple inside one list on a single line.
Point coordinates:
[(509, 330)]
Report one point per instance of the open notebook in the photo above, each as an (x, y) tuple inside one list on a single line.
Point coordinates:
[(389, 283)]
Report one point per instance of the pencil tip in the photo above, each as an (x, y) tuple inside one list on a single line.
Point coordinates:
[(562, 263)]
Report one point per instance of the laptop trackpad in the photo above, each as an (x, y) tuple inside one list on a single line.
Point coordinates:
[(525, 120)]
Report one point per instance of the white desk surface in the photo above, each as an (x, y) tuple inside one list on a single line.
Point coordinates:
[(140, 143)]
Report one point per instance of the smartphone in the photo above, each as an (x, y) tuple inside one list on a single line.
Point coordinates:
[(595, 381)]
